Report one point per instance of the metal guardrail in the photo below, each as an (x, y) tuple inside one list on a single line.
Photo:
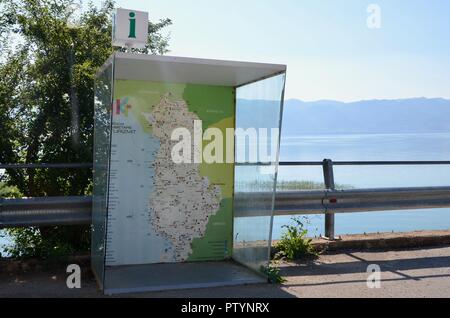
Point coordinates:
[(361, 200), (45, 211), (78, 210), (45, 165), (393, 198), (344, 201), (330, 201), (366, 163)]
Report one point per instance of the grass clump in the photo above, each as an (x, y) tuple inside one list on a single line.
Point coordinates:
[(273, 274), (294, 243)]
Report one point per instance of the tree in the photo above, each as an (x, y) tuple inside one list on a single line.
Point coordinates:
[(49, 54)]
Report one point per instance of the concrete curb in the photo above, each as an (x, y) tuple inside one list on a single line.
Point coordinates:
[(384, 241)]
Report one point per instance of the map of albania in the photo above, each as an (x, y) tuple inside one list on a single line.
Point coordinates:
[(183, 200)]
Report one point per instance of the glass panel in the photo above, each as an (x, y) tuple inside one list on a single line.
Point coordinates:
[(298, 178), (102, 134), (258, 113)]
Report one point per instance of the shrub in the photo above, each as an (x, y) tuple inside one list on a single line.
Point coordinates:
[(31, 242), (294, 244), (273, 274)]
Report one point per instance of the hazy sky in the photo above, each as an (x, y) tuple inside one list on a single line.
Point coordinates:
[(329, 49)]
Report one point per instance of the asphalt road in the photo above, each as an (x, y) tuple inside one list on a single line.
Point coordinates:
[(404, 273)]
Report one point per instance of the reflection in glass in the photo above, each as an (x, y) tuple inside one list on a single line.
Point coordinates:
[(102, 136), (258, 106)]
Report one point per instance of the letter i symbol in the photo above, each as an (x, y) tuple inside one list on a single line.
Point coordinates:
[(132, 25)]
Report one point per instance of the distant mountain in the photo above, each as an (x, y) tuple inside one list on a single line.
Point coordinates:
[(416, 115)]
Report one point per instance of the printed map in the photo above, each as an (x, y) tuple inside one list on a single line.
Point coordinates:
[(161, 211)]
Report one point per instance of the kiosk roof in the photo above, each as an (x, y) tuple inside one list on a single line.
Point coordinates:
[(173, 69)]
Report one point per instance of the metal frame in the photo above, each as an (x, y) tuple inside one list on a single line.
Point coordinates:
[(45, 165)]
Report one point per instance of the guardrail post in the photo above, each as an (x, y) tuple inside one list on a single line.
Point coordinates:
[(328, 176)]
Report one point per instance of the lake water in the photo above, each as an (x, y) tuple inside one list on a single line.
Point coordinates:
[(434, 146)]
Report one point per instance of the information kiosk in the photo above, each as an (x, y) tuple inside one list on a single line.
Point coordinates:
[(174, 184)]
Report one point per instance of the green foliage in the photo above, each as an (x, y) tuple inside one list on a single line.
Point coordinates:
[(273, 274), (31, 242), (8, 192), (294, 244), (49, 53), (47, 88)]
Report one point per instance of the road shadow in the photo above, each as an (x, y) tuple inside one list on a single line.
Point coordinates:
[(360, 265), (312, 270)]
